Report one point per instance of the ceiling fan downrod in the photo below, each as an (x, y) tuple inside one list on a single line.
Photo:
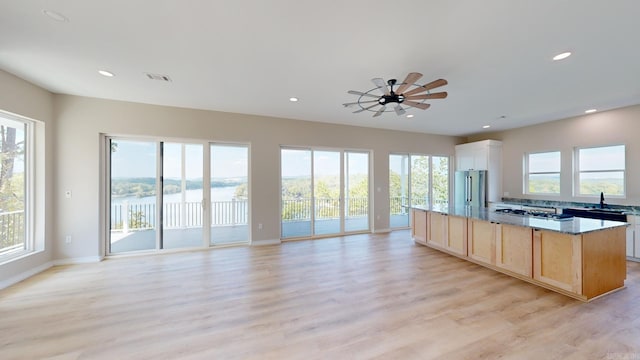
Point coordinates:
[(392, 97)]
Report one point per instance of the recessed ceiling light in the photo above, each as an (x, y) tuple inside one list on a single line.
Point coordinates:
[(410, 116), (293, 99), (106, 73), (562, 56), (590, 111), (55, 15), (486, 126)]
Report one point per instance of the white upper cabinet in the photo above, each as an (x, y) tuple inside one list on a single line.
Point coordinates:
[(483, 155), (479, 155)]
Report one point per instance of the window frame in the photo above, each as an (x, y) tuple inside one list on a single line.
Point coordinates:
[(528, 173), (577, 172), (29, 244)]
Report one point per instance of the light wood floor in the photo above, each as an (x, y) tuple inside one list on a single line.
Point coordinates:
[(357, 297)]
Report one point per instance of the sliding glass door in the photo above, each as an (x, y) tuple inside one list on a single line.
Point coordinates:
[(159, 195), (323, 192), (326, 192), (416, 180), (182, 195), (229, 194), (296, 193), (356, 191), (134, 187), (399, 190)]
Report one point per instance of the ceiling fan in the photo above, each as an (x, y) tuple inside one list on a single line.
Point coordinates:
[(402, 95)]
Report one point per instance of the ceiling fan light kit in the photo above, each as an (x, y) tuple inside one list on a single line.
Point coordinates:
[(402, 95)]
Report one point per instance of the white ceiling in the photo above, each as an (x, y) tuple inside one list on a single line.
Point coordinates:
[(250, 56)]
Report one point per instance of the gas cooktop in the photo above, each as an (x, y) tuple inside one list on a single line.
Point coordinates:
[(536, 214)]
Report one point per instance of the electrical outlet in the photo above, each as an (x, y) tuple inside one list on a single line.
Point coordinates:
[(67, 239), (260, 226)]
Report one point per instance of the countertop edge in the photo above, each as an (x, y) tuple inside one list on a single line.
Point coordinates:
[(571, 227)]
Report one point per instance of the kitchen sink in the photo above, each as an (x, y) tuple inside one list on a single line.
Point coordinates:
[(607, 210), (597, 213)]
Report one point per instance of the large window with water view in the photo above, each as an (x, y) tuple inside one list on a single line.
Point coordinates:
[(199, 202), (14, 180)]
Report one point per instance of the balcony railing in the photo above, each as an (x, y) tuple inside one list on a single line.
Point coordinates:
[(140, 216), (11, 231), (137, 216), (399, 205), (325, 208)]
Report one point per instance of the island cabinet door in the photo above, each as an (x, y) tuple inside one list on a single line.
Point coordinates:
[(419, 226), (482, 241), (557, 259), (457, 235), (437, 229), (514, 249)]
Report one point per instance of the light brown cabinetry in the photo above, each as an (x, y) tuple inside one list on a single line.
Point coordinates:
[(583, 266), (419, 225), (603, 269), (558, 260), (437, 229), (514, 250), (482, 241), (457, 235), (589, 264)]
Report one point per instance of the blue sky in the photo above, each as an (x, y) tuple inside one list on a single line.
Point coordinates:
[(138, 159)]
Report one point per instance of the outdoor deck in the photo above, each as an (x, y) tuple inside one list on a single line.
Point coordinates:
[(224, 235)]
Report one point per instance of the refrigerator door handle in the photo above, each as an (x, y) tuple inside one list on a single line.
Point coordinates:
[(470, 188)]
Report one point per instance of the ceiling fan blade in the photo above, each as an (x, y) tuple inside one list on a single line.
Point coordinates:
[(359, 102), (382, 109), (418, 105), (432, 85), (438, 95), (399, 110), (353, 92), (381, 84), (367, 108), (408, 81)]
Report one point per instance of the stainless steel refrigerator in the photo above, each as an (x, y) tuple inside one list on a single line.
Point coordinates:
[(470, 188)]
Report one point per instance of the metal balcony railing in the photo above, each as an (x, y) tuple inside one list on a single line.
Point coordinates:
[(11, 231)]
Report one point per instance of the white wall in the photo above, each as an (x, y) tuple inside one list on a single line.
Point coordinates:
[(80, 121), (620, 126), (22, 98)]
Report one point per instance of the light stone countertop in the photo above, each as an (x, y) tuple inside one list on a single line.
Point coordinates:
[(575, 226)]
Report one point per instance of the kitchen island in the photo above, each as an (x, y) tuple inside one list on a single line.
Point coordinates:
[(579, 257)]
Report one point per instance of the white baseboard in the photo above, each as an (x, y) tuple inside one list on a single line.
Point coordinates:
[(27, 274), (75, 261), (266, 242), (381, 231)]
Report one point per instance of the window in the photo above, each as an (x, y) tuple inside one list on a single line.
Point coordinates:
[(15, 186), (600, 169), (542, 173)]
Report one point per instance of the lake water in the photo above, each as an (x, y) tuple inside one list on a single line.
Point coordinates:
[(217, 194)]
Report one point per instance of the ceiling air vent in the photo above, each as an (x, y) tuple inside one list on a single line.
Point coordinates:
[(158, 77)]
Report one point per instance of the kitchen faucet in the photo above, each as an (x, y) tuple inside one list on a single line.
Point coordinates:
[(602, 200)]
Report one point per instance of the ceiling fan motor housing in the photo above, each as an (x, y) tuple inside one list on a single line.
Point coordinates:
[(391, 98)]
